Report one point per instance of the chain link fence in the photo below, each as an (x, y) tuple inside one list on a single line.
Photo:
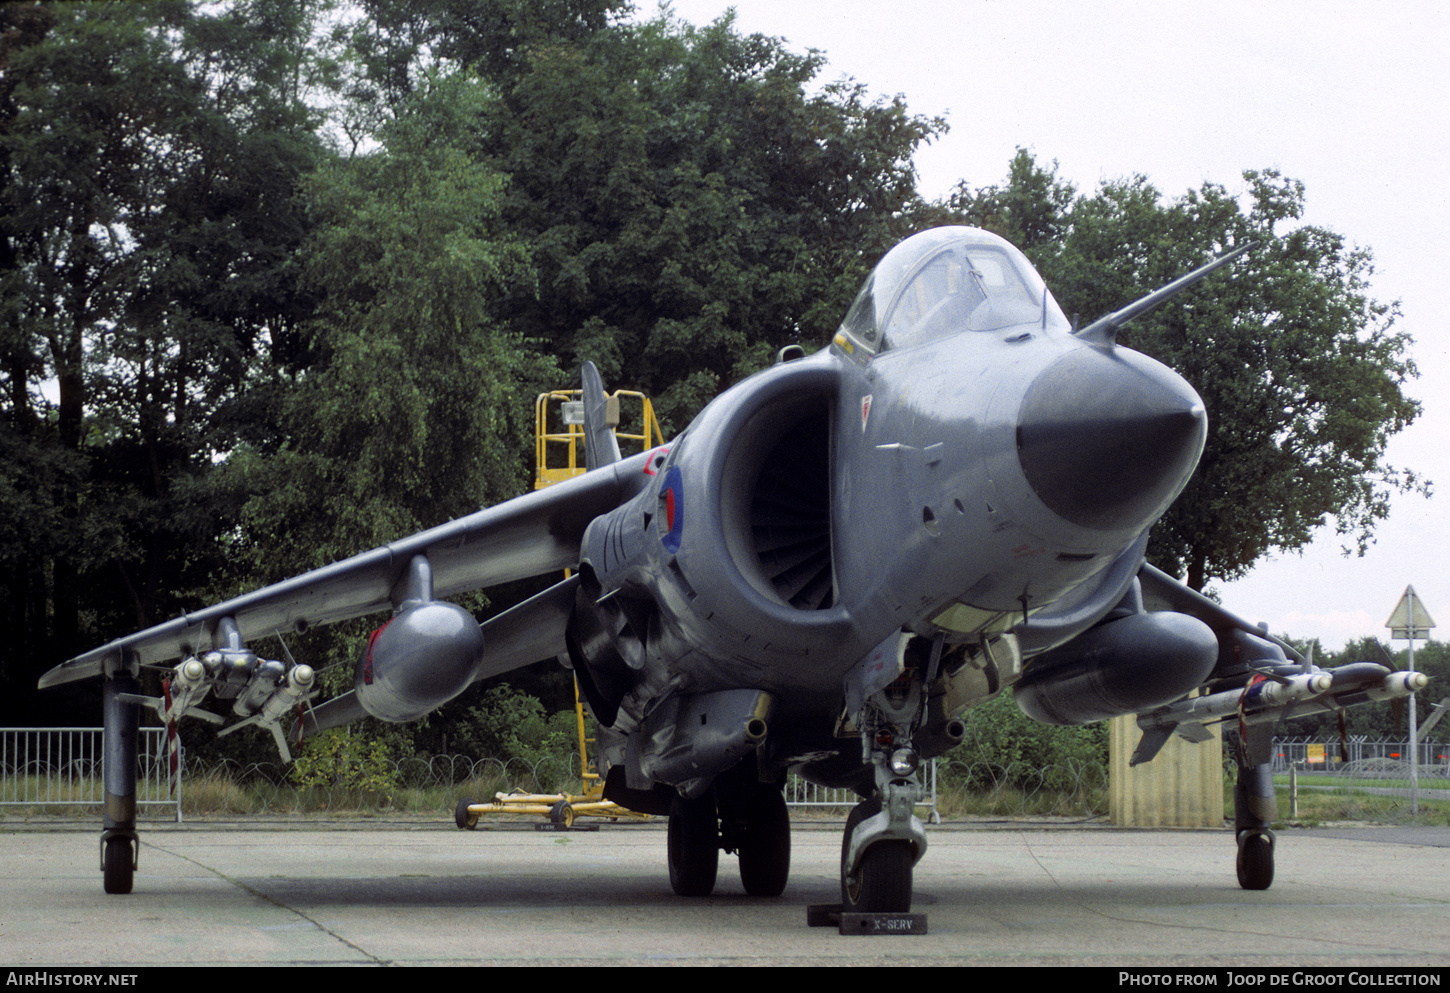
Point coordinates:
[(1362, 779), (1357, 754)]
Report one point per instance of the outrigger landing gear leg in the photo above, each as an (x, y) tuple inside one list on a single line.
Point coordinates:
[(1255, 808), (120, 845)]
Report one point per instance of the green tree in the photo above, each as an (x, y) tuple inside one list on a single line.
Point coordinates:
[(509, 724), (1302, 372), (690, 204), (148, 232), (1003, 746), (1030, 209), (415, 404)]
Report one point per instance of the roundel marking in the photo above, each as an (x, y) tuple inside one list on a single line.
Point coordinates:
[(673, 498)]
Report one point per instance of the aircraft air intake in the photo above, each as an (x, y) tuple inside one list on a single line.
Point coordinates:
[(790, 516), (775, 504), (1108, 437)]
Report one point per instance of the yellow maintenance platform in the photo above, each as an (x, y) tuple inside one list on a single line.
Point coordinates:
[(559, 442)]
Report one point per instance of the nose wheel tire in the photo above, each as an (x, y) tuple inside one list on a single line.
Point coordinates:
[(694, 845), (881, 883), (1256, 860)]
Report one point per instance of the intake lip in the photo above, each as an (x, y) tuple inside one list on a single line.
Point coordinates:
[(1108, 437)]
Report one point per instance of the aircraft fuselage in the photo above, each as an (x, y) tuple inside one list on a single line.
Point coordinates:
[(836, 505)]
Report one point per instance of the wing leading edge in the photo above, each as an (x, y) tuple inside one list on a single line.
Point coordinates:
[(1161, 589), (530, 535)]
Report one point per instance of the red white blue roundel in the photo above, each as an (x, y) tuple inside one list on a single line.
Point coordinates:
[(672, 503)]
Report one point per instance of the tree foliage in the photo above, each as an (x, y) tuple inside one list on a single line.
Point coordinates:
[(279, 280), (147, 241), (690, 204), (267, 354), (1003, 746), (507, 724), (414, 404)]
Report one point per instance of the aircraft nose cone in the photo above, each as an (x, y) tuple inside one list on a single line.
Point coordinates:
[(1108, 437)]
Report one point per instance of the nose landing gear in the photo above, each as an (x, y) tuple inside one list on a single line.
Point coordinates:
[(884, 838)]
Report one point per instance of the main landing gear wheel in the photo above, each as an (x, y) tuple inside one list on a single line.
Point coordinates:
[(694, 845), (881, 883), (765, 851), (117, 865), (1256, 860)]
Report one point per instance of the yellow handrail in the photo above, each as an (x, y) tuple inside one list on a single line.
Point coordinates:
[(559, 438)]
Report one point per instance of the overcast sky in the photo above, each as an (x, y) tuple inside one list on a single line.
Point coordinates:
[(1350, 98)]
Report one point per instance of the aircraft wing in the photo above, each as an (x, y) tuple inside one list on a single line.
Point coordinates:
[(1162, 591), (531, 535)]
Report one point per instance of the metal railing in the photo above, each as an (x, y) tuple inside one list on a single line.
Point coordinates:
[(55, 767), (801, 795), (62, 767)]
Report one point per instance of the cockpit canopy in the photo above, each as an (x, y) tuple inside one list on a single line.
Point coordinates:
[(945, 281)]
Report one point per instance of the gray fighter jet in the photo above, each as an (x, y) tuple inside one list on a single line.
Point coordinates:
[(838, 557)]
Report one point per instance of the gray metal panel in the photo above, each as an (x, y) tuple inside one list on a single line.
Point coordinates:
[(529, 632)]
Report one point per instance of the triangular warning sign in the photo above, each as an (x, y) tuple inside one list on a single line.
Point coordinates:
[(1410, 620)]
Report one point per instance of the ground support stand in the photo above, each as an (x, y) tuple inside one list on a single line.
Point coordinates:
[(830, 914)]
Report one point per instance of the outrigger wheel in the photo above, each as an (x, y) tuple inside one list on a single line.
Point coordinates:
[(1255, 807), (1256, 859), (118, 862), (881, 883)]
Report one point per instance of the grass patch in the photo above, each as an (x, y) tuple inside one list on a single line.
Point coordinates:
[(1353, 782), (1009, 801)]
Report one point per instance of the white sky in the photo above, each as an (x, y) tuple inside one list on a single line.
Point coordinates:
[(1350, 98)]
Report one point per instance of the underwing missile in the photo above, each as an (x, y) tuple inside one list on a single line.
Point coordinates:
[(190, 683), (294, 688), (266, 679), (1296, 696), (189, 686)]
